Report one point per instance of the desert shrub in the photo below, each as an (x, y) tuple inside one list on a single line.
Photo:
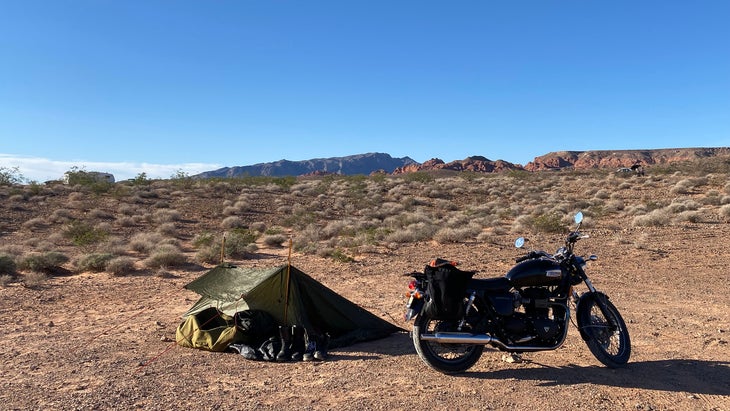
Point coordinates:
[(96, 262), (112, 245), (166, 216), (655, 218), (240, 243), (724, 212), (689, 216), (681, 205), (34, 279), (145, 242), (7, 264), (204, 240), (208, 254), (82, 234), (43, 262), (165, 255), (127, 209), (339, 255), (161, 204), (34, 223), (412, 233), (167, 229), (682, 187), (126, 221), (602, 194), (274, 240), (100, 214), (232, 222), (120, 266), (613, 206), (6, 279), (258, 226), (61, 215), (457, 234), (546, 223)]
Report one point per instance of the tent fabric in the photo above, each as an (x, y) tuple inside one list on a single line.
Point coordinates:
[(208, 330), (312, 305)]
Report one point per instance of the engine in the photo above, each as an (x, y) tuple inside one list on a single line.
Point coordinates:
[(535, 319)]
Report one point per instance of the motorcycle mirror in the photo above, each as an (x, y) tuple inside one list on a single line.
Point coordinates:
[(520, 242), (578, 217)]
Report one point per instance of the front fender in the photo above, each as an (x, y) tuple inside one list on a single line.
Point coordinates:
[(580, 313)]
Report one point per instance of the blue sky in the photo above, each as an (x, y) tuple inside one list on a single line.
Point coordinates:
[(158, 86)]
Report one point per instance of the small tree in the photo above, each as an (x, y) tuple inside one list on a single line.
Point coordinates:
[(10, 176), (182, 179), (141, 179)]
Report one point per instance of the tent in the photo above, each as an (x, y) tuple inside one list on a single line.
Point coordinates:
[(309, 303)]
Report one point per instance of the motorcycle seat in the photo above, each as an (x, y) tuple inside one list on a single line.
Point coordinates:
[(489, 284)]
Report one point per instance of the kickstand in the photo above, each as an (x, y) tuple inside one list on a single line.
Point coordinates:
[(512, 357)]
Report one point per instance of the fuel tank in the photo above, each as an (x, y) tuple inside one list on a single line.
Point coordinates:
[(535, 272)]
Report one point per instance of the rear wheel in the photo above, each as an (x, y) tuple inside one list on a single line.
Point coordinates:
[(604, 331), (445, 358)]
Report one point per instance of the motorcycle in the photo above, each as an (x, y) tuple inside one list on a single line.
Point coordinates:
[(526, 310)]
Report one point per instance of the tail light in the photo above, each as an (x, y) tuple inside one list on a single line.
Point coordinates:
[(412, 285)]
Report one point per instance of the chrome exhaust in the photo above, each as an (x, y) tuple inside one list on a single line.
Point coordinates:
[(460, 338), (484, 339)]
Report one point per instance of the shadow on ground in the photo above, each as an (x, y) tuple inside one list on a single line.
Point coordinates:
[(694, 376)]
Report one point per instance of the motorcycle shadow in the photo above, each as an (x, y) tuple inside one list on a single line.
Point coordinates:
[(695, 376)]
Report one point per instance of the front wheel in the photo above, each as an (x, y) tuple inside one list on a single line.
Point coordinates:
[(604, 330), (445, 358)]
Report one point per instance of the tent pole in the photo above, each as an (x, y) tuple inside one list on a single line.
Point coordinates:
[(288, 277), (223, 249)]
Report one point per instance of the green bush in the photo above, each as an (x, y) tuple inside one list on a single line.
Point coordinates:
[(10, 176), (120, 266), (7, 265), (96, 262), (43, 262), (166, 255), (83, 234), (240, 243), (546, 223)]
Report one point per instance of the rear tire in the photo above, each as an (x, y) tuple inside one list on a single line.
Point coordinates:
[(605, 333), (445, 358)]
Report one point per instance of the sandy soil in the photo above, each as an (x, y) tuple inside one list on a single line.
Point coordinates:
[(97, 341), (79, 341)]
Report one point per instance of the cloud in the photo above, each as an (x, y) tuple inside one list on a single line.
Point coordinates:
[(42, 169)]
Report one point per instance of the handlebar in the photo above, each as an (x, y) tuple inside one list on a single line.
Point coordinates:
[(532, 255)]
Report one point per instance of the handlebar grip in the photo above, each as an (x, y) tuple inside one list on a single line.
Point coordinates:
[(529, 256)]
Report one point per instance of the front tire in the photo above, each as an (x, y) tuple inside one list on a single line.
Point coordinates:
[(604, 331), (445, 358)]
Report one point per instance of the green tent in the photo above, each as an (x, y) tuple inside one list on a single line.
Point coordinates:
[(309, 304)]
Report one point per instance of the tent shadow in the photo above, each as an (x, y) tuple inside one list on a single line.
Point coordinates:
[(396, 344), (677, 375)]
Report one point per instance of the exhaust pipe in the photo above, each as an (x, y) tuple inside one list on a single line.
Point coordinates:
[(484, 339), (460, 338)]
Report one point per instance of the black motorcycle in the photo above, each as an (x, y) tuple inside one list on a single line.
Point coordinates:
[(526, 310)]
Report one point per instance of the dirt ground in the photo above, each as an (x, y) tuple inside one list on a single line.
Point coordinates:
[(78, 342), (97, 341)]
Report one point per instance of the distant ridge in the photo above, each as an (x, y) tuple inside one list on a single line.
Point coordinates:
[(349, 165), (379, 162), (581, 160)]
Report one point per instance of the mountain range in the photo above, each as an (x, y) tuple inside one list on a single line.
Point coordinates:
[(370, 163)]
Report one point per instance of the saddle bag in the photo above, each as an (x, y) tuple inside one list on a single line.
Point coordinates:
[(446, 288)]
